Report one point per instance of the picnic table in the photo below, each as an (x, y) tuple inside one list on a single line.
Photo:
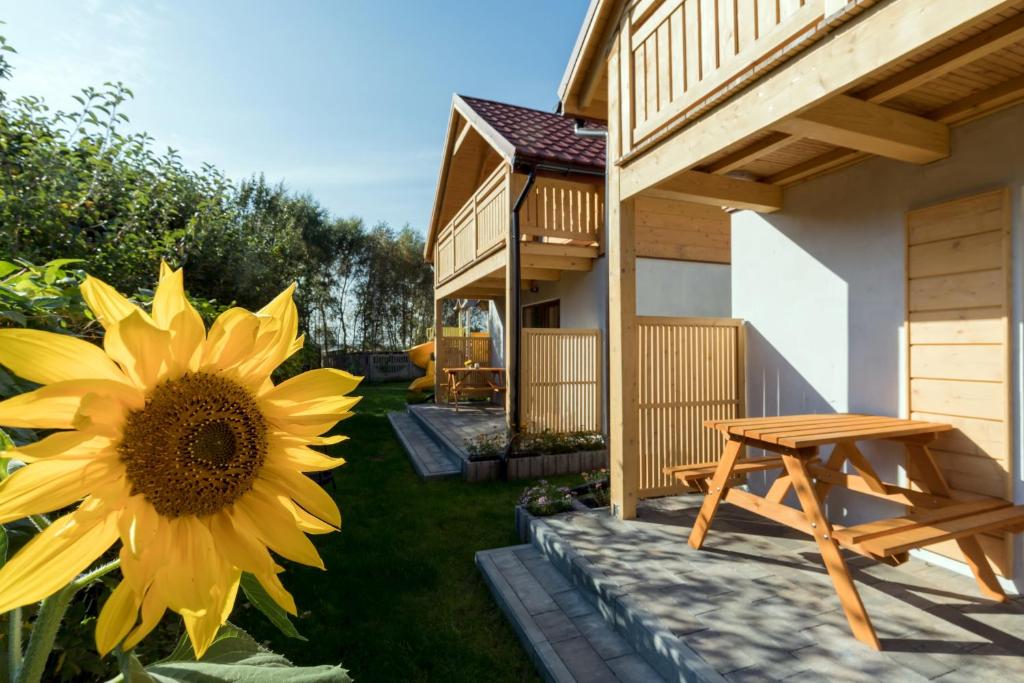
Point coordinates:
[(457, 378), (935, 514)]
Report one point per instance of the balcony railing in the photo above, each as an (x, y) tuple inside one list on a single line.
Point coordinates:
[(685, 52), (556, 210)]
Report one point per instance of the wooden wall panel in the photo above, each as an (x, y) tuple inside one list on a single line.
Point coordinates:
[(669, 229), (958, 358), (690, 370), (561, 380)]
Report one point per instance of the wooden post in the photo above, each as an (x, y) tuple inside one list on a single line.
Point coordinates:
[(623, 391), (438, 341), (508, 328)]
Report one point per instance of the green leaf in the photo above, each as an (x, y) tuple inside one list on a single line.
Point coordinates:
[(234, 657), (261, 600), (3, 545)]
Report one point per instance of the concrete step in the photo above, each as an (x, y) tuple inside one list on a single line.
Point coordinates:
[(452, 446), (430, 459), (651, 638), (564, 634)]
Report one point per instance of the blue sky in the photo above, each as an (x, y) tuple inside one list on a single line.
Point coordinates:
[(345, 99)]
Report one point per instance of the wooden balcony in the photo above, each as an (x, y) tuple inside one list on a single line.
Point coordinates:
[(685, 53), (560, 219)]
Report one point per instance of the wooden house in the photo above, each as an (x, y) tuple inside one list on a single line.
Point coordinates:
[(514, 175), (870, 153)]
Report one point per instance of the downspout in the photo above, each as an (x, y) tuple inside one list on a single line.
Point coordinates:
[(514, 317)]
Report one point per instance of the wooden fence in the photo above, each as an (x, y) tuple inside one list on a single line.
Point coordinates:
[(561, 380), (690, 370), (454, 351), (375, 366)]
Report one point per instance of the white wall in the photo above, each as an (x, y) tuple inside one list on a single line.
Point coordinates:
[(683, 289), (583, 296), (496, 329), (822, 284)]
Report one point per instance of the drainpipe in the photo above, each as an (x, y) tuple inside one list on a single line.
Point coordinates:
[(514, 317)]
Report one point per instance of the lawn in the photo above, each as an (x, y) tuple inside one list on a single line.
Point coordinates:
[(401, 599)]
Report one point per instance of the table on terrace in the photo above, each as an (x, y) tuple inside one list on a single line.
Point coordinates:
[(934, 514), (493, 381)]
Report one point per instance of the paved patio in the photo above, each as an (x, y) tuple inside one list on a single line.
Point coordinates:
[(457, 429), (756, 603)]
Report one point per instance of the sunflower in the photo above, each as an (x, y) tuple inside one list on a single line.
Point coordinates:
[(178, 444)]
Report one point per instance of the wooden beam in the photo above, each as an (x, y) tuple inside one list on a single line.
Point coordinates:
[(855, 124), (983, 102), (542, 274), (482, 269), (752, 152), (719, 190), (881, 38), (462, 137), (557, 262), (549, 249), (974, 48), (818, 164), (438, 334)]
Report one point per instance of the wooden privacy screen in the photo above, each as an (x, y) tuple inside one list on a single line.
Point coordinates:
[(958, 308), (563, 209), (561, 380), (456, 350), (690, 370)]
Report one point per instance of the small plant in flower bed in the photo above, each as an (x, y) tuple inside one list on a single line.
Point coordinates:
[(544, 498), (595, 483), (486, 447), (549, 442)]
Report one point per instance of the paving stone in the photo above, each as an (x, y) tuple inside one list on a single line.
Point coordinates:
[(601, 636), (573, 603), (583, 661), (633, 669), (428, 458), (556, 626)]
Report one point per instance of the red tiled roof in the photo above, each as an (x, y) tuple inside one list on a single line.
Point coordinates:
[(539, 135)]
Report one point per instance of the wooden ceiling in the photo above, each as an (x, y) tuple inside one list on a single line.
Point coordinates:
[(975, 72)]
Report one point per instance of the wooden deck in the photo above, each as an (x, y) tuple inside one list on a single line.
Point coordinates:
[(757, 605)]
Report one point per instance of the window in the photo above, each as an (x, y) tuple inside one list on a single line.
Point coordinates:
[(545, 314)]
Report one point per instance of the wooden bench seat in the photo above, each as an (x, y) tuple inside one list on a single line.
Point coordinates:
[(900, 534), (705, 470)]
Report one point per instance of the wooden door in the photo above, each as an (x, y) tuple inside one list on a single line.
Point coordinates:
[(959, 302)]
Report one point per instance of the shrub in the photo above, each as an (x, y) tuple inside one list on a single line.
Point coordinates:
[(486, 447), (596, 482), (545, 498), (549, 442)]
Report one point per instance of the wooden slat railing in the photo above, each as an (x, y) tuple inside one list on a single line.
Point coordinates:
[(690, 370), (563, 209), (479, 227), (455, 350), (561, 380), (684, 52)]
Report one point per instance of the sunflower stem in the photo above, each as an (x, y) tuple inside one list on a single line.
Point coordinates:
[(44, 633), (40, 521), (47, 623), (87, 578), (14, 643)]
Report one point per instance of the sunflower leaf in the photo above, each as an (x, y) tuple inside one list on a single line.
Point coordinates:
[(234, 657), (261, 600)]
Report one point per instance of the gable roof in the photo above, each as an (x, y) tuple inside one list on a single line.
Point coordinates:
[(519, 136), (538, 136)]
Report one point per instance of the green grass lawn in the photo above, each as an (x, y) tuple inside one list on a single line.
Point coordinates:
[(401, 599)]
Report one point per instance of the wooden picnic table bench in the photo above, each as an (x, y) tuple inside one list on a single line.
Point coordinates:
[(493, 381), (935, 514)]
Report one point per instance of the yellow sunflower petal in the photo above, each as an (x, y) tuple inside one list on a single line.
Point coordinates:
[(63, 445), (140, 348), (238, 544), (107, 304), (277, 591), (202, 628), (172, 311), (231, 339), (51, 485), (302, 458), (139, 526), (56, 405), (279, 321), (315, 385), (310, 524), (189, 573), (48, 357), (275, 526), (118, 616), (301, 489), (152, 613), (54, 557)]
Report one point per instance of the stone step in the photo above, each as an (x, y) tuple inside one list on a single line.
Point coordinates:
[(430, 459), (651, 638), (564, 634), (452, 446)]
